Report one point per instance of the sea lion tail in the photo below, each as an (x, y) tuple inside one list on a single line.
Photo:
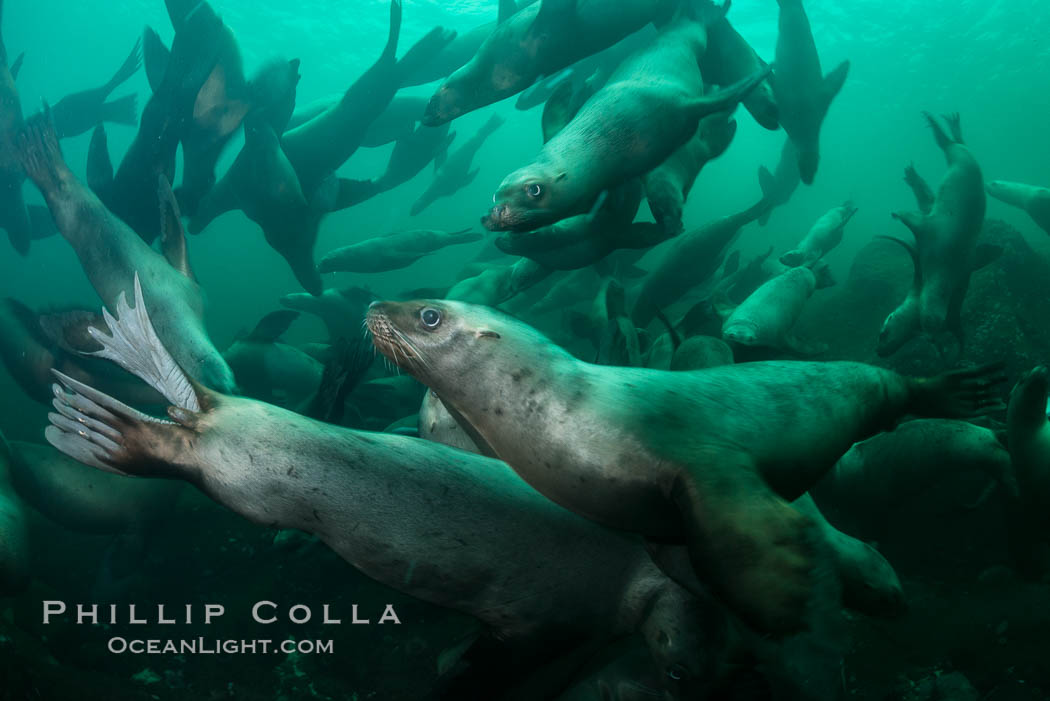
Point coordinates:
[(123, 110), (959, 394), (39, 152)]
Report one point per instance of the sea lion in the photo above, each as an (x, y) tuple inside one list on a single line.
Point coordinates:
[(699, 352), (537, 40), (269, 370), (341, 309), (496, 285), (394, 251), (412, 153), (112, 254), (803, 93), (945, 245), (824, 235), (649, 107), (879, 475), (14, 531), (585, 239), (1032, 199), (667, 186), (88, 501), (30, 348), (491, 547), (13, 216), (318, 147), (437, 424), (686, 261), (778, 186), (455, 174), (1028, 434), (77, 113), (765, 319), (718, 447), (730, 58)]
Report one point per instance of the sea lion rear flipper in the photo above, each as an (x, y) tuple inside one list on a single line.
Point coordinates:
[(155, 56), (958, 394), (127, 69), (172, 235), (954, 126), (751, 546), (123, 110), (424, 51)]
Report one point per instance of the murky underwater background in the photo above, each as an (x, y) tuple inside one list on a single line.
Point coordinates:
[(989, 60)]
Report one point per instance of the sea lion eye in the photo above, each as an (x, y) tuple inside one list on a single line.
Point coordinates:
[(430, 317), (677, 672), (533, 190)]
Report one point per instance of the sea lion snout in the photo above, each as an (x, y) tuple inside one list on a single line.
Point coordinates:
[(495, 219)]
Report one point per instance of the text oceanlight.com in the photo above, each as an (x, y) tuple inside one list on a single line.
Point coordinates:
[(205, 646)]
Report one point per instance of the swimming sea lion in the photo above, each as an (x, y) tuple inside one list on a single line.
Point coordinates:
[(1032, 199), (496, 285), (730, 58), (891, 470), (13, 216), (455, 174), (77, 113), (341, 309), (945, 245), (778, 186), (14, 532), (394, 251), (719, 448), (491, 547), (412, 153), (766, 317), (649, 107), (112, 254), (803, 93), (686, 261), (667, 186), (824, 235), (438, 425), (269, 370), (699, 352)]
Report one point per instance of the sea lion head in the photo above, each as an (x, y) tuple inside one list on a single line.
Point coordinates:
[(900, 326), (527, 199), (741, 332), (686, 637), (442, 343), (447, 103)]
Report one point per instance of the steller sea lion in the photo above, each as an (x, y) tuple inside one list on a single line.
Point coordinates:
[(112, 254), (77, 113), (803, 93), (13, 215), (382, 254), (1032, 199), (650, 107), (455, 173), (824, 235), (491, 546), (709, 457)]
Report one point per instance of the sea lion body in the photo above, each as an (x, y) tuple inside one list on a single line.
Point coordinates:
[(79, 112), (112, 254), (393, 251), (803, 93), (688, 260), (273, 371), (651, 106), (1032, 199), (699, 352), (456, 172), (540, 39), (411, 154), (14, 532), (825, 234), (1029, 439), (667, 187), (768, 315), (438, 425), (494, 286), (641, 464), (342, 310), (485, 548), (730, 58), (13, 216)]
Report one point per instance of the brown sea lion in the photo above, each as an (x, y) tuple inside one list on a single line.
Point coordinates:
[(709, 457)]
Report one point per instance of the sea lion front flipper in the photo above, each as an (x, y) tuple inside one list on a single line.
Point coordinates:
[(753, 548), (833, 83), (172, 234), (155, 56), (924, 196)]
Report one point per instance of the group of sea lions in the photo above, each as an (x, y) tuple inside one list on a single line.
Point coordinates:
[(634, 506)]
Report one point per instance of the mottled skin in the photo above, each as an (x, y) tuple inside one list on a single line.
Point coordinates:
[(14, 532), (456, 173), (111, 254), (13, 216), (768, 315), (803, 93), (1031, 198), (649, 108), (81, 111), (824, 235), (442, 525), (667, 186), (644, 466), (945, 243), (538, 40), (688, 260), (381, 254)]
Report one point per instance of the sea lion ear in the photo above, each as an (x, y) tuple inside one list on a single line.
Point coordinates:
[(486, 333)]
